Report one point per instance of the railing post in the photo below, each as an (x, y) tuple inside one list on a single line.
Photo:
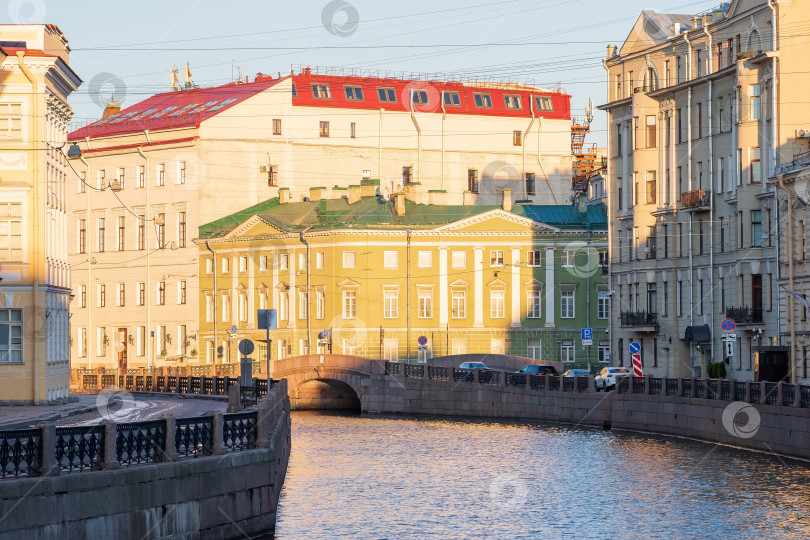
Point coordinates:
[(110, 457), (546, 387), (797, 395), (646, 385), (528, 381), (780, 393), (264, 424), (763, 398), (501, 378), (748, 391), (234, 398), (170, 451), (219, 428), (680, 386), (692, 391), (188, 384), (49, 465), (591, 384)]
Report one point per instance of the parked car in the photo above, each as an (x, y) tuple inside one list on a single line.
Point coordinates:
[(538, 369), (576, 373), (472, 365), (606, 380)]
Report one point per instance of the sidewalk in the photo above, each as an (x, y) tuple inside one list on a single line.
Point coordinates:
[(15, 416)]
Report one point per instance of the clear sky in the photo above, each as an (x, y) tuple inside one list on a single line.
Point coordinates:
[(130, 47)]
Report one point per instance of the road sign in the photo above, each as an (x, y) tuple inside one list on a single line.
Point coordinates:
[(730, 337), (422, 341), (587, 334), (729, 348), (324, 334), (234, 329), (637, 371), (268, 319), (234, 336), (246, 347), (587, 342), (423, 348), (729, 325), (634, 347)]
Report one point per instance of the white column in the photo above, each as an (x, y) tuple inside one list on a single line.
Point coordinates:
[(479, 288), (550, 288), (274, 292), (516, 288), (443, 287), (292, 296)]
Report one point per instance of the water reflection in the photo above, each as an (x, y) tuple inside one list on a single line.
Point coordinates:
[(404, 477)]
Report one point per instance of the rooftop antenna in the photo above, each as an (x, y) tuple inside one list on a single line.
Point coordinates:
[(188, 81), (175, 80), (589, 111)]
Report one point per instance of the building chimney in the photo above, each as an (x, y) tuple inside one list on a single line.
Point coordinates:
[(316, 193), (399, 204), (611, 51), (469, 198), (507, 200), (339, 192), (413, 192), (437, 197), (677, 28), (113, 107), (369, 187), (355, 193), (284, 195)]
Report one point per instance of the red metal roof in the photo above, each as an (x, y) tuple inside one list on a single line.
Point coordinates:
[(187, 108), (560, 104)]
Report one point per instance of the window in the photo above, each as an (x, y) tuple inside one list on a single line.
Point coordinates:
[(482, 101), (472, 180), (243, 264), (651, 132), (452, 99), (354, 93), (756, 228), (320, 304), (604, 353), (101, 182), (390, 303), (11, 232), (140, 176), (386, 95), (181, 292), (161, 174), (419, 97), (513, 102), (82, 182), (82, 343), (349, 304), (349, 347), (101, 301), (756, 166), (120, 175), (459, 304), (82, 296), (276, 126), (353, 130), (459, 259), (756, 101), (651, 187), (122, 295), (567, 259), (122, 233), (543, 104), (142, 232), (425, 259), (407, 175), (284, 305), (141, 294), (321, 91), (102, 232), (284, 261), (272, 175), (530, 184), (349, 259), (390, 260), (652, 298), (699, 112), (603, 305), (533, 304), (567, 353), (425, 304), (496, 259), (497, 301), (567, 304), (517, 138), (679, 298), (161, 230), (11, 336), (303, 305), (535, 349), (320, 260), (101, 342), (181, 173), (324, 127), (161, 293), (11, 122), (535, 258), (181, 229)]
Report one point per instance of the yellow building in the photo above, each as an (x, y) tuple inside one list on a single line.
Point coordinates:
[(374, 275), (35, 81)]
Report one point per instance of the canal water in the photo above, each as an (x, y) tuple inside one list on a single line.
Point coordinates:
[(374, 477)]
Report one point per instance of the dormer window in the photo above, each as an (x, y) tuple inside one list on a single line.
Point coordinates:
[(452, 99), (513, 102), (420, 97), (321, 91), (386, 95), (354, 93), (543, 104), (483, 101)]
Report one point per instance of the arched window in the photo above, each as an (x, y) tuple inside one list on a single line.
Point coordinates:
[(754, 41), (650, 79)]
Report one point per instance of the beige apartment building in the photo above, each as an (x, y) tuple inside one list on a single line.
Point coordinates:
[(153, 173), (35, 82), (702, 109)]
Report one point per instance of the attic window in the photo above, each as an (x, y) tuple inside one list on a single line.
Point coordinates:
[(420, 97), (386, 95), (222, 105), (543, 104), (452, 99), (354, 93), (483, 101), (321, 91), (513, 102), (294, 91)]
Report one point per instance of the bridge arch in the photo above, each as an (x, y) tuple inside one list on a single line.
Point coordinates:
[(326, 381)]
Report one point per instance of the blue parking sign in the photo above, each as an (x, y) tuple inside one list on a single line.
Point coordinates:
[(587, 333)]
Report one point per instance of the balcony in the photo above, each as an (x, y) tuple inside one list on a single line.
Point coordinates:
[(697, 200), (745, 315), (640, 319)]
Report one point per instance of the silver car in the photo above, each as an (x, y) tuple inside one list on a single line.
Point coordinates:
[(606, 380)]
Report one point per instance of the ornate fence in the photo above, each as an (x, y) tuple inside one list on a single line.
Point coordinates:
[(210, 386)]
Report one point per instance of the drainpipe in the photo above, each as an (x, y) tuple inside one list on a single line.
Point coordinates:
[(35, 217), (609, 191), (789, 305), (771, 230), (148, 292), (444, 117), (691, 188), (419, 141), (711, 198), (525, 139), (379, 138), (309, 284), (408, 296), (89, 247), (214, 264), (774, 90)]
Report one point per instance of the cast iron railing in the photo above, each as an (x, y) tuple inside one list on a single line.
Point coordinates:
[(639, 318), (745, 315), (655, 385), (20, 452), (672, 387), (140, 442), (439, 374), (239, 431), (194, 437), (739, 391), (80, 448)]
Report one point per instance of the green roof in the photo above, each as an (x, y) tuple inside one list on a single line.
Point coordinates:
[(378, 213)]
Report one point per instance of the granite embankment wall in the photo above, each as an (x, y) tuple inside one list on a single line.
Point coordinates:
[(220, 496), (749, 422)]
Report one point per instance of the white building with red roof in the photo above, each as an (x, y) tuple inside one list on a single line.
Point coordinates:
[(180, 159)]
